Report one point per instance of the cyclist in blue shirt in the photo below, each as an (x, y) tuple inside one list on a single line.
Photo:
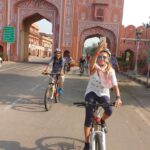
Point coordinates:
[(114, 63), (57, 63)]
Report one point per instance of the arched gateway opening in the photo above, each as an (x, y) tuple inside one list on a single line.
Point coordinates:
[(89, 43), (98, 32), (128, 57), (30, 12), (25, 34)]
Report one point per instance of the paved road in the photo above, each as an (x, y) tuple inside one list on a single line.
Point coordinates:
[(26, 126)]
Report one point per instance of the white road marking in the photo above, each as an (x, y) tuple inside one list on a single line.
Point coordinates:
[(35, 87), (7, 69), (46, 79), (14, 103), (146, 120)]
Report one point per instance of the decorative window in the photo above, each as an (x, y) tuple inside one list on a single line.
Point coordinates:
[(99, 11), (99, 14)]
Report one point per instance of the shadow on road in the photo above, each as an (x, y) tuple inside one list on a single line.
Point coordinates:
[(74, 89), (22, 92), (46, 143)]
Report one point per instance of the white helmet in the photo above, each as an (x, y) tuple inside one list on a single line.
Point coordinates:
[(107, 51), (58, 50)]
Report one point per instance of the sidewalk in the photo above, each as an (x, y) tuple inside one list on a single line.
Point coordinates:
[(137, 78), (141, 79)]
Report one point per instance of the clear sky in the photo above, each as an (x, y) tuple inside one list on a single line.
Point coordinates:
[(45, 26), (136, 12)]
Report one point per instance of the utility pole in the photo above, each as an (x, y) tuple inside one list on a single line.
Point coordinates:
[(8, 23), (138, 38)]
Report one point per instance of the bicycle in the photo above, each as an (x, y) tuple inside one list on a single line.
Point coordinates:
[(51, 93), (98, 131), (81, 68), (66, 67)]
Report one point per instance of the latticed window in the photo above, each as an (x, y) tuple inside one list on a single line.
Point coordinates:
[(99, 14)]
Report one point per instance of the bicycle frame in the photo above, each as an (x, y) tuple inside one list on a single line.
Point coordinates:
[(81, 68), (97, 135), (54, 83), (102, 136), (97, 130), (51, 92)]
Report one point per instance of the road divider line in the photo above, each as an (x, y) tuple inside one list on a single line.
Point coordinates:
[(14, 103), (35, 87)]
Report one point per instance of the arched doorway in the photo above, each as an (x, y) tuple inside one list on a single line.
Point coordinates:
[(1, 51), (128, 56), (98, 32), (32, 12), (27, 22)]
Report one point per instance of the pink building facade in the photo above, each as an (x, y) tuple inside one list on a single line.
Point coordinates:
[(128, 46), (73, 21)]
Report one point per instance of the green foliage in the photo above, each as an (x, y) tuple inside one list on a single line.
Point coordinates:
[(92, 51), (119, 59), (142, 63), (124, 63), (1, 54)]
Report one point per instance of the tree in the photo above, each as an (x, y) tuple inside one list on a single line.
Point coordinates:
[(147, 25)]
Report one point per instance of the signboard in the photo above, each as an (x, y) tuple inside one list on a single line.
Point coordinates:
[(9, 34), (148, 57)]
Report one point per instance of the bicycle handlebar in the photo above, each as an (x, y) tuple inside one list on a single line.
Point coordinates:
[(86, 104)]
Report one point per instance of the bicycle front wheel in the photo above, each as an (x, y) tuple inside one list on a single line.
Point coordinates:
[(48, 98), (97, 142), (100, 143)]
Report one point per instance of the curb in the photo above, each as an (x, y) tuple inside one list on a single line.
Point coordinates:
[(140, 81)]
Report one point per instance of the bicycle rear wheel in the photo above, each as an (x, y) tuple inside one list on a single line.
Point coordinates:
[(48, 98)]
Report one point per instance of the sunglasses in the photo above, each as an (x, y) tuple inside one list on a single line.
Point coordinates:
[(102, 57)]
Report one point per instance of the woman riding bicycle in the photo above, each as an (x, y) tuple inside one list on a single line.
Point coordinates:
[(102, 78), (57, 62)]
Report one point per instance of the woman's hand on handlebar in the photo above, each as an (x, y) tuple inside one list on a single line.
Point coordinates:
[(44, 72), (118, 103)]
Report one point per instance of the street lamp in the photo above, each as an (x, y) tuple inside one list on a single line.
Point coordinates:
[(138, 38)]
